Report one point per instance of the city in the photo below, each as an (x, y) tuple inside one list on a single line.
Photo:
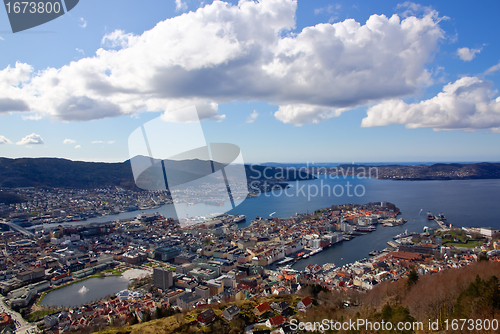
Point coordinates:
[(197, 267)]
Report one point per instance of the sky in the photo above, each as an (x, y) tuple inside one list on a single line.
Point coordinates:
[(286, 81)]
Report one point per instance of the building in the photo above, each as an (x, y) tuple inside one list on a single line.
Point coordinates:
[(275, 321), (172, 296), (488, 231), (259, 310), (31, 275), (186, 301), (163, 278), (280, 307), (231, 312), (202, 291), (206, 317), (50, 321), (6, 321), (166, 253), (304, 304)]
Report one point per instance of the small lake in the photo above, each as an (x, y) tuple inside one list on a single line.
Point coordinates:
[(85, 292)]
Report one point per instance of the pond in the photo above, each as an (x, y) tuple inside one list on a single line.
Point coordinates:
[(85, 292)]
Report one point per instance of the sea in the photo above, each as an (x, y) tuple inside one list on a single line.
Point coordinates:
[(472, 203)]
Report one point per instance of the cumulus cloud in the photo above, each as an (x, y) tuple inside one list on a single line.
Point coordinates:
[(467, 54), (253, 116), (97, 142), (32, 139), (69, 141), (466, 104), (223, 52), (13, 96), (78, 146), (4, 140), (111, 142)]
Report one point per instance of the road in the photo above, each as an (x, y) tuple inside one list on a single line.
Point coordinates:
[(21, 325), (18, 228)]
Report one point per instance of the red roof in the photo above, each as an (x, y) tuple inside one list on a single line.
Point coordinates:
[(306, 301), (277, 320), (264, 307)]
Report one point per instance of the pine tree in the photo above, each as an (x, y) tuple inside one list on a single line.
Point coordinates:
[(412, 279)]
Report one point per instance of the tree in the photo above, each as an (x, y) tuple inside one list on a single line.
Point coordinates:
[(133, 319), (412, 279), (482, 257), (146, 315)]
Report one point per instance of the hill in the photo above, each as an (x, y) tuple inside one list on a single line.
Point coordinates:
[(63, 173), (439, 171)]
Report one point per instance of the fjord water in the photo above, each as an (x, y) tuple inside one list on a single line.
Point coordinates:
[(463, 202)]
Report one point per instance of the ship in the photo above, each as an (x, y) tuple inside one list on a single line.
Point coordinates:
[(430, 216), (286, 260), (239, 219), (369, 228), (316, 251), (402, 235), (441, 217)]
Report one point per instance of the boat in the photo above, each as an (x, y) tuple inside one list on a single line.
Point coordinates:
[(305, 256), (430, 216), (441, 216), (239, 219), (374, 253), (286, 260), (366, 228), (402, 235), (316, 251)]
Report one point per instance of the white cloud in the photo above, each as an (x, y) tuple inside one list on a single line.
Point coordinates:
[(467, 54), (81, 51), (13, 97), (97, 142), (82, 22), (466, 104), (78, 146), (1, 38), (253, 116), (492, 69), (111, 142), (4, 140), (180, 5), (32, 139), (69, 141), (330, 9), (222, 53), (118, 38)]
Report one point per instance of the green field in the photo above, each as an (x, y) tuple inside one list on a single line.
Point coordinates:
[(468, 244)]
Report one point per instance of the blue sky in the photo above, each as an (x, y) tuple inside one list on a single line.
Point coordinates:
[(306, 81)]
